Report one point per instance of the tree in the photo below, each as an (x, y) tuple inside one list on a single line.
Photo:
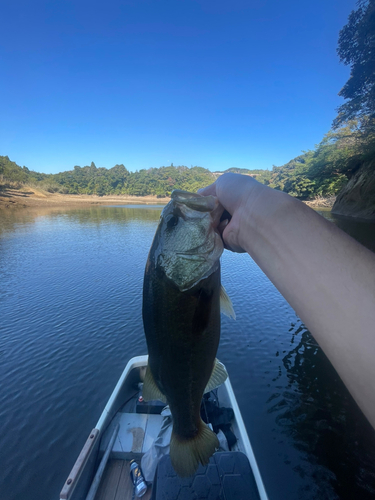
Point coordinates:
[(356, 47)]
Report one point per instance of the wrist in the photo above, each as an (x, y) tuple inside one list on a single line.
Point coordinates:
[(262, 214)]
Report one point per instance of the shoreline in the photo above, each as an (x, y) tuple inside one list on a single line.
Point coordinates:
[(321, 202), (32, 198), (28, 197)]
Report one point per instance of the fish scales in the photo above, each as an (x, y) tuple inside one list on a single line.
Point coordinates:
[(182, 368)]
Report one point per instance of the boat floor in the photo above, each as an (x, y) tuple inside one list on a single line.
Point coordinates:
[(116, 483)]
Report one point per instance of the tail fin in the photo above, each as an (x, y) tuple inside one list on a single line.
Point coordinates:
[(186, 454)]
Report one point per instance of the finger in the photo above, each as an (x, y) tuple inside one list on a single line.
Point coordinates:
[(223, 224), (230, 240), (208, 190)]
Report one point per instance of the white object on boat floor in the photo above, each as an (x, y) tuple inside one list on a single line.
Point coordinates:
[(136, 435)]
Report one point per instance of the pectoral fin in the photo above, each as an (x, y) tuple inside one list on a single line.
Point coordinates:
[(150, 390), (226, 306), (218, 376)]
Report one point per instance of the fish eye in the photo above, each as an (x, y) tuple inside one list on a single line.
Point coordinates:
[(172, 222)]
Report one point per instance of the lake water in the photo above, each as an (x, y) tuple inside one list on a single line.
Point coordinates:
[(70, 319)]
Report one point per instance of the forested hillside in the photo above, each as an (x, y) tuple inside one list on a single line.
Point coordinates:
[(100, 181), (326, 169), (319, 172), (118, 180), (11, 172)]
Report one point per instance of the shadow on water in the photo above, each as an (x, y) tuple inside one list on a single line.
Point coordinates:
[(317, 413)]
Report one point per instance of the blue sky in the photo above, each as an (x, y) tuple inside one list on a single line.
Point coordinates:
[(220, 84)]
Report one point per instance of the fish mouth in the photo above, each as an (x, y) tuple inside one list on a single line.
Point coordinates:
[(199, 203), (195, 201)]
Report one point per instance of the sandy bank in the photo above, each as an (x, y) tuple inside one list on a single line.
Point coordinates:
[(30, 197)]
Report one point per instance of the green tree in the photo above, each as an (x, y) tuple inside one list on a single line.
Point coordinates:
[(356, 47)]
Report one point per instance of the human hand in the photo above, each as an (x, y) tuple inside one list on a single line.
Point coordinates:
[(236, 193)]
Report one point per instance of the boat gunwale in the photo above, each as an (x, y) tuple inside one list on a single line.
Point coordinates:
[(135, 362)]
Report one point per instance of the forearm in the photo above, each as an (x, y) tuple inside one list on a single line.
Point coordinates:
[(326, 276)]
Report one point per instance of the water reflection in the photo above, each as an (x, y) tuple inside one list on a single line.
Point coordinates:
[(70, 298), (316, 411), (18, 221), (112, 215), (12, 219)]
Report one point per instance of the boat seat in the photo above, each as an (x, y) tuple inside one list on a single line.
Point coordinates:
[(228, 476)]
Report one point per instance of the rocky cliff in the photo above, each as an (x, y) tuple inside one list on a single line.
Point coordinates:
[(357, 198)]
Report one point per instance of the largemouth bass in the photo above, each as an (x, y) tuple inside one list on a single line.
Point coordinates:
[(181, 316)]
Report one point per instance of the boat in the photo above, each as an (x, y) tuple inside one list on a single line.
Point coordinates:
[(127, 432)]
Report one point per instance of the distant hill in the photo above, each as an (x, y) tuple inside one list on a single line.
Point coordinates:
[(320, 172), (116, 180), (260, 175)]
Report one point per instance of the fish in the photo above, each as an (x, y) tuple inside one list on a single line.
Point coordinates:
[(182, 298)]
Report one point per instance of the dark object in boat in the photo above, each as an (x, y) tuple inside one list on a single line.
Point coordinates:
[(227, 476), (219, 417)]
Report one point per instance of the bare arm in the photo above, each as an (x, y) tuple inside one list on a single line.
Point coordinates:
[(326, 276)]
